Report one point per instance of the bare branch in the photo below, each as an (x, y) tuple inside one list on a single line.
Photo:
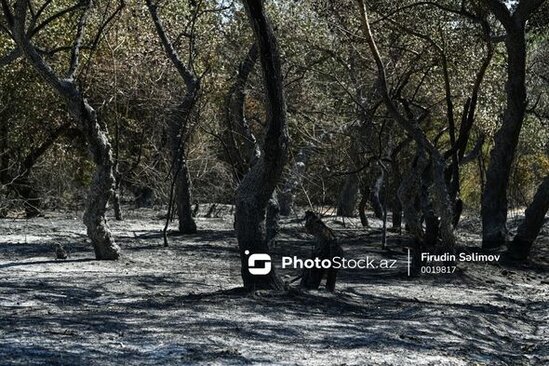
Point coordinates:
[(75, 51), (408, 126), (184, 72), (26, 47), (10, 57), (33, 30)]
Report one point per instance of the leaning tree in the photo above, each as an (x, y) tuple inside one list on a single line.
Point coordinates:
[(22, 22)]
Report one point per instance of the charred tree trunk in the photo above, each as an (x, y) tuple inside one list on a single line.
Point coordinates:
[(273, 217), (530, 227), (408, 192), (376, 195), (179, 126), (364, 194), (347, 198), (183, 198), (259, 183), (117, 177), (178, 135), (102, 186), (396, 205), (431, 220), (494, 203)]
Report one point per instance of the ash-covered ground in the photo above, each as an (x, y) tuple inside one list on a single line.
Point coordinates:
[(182, 304)]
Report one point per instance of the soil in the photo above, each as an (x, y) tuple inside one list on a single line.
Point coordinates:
[(183, 304)]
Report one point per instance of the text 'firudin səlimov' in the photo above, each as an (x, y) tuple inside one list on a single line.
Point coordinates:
[(461, 257)]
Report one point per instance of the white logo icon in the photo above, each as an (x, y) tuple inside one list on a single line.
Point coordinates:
[(263, 258)]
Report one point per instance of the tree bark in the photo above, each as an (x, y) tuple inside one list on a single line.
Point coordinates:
[(178, 135), (273, 217), (348, 196), (364, 195), (376, 195), (259, 183), (102, 186), (494, 202), (530, 226)]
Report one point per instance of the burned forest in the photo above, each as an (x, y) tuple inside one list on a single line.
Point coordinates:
[(274, 182)]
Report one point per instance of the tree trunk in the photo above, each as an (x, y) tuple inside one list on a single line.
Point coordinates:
[(178, 127), (31, 199), (117, 177), (431, 220), (494, 203), (102, 186), (408, 192), (347, 197), (530, 227), (376, 195), (396, 220), (364, 194), (240, 143), (273, 217), (259, 183), (295, 178), (183, 199)]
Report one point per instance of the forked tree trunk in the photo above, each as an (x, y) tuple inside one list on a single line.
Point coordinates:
[(95, 132), (442, 204), (530, 227), (258, 185), (178, 126)]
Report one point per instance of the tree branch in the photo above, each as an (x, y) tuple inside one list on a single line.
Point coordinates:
[(188, 77), (75, 51)]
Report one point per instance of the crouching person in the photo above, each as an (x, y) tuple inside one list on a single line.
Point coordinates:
[(327, 247)]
